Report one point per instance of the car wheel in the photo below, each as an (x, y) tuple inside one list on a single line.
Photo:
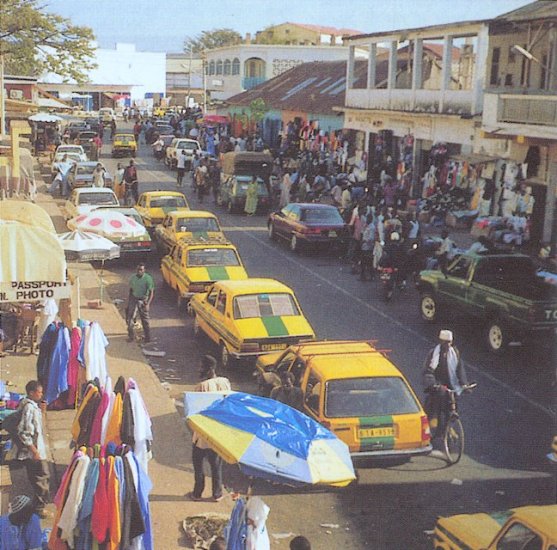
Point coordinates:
[(272, 234), (496, 336), (294, 244), (429, 308)]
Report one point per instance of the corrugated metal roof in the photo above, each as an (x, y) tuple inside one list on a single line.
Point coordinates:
[(311, 87), (541, 9)]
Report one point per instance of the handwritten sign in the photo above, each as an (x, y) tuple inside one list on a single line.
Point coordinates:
[(32, 291)]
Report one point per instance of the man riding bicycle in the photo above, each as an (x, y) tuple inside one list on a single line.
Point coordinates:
[(443, 371)]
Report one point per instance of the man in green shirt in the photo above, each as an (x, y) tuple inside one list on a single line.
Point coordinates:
[(142, 289)]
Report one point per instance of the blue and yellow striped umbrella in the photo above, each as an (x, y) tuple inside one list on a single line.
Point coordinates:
[(268, 439)]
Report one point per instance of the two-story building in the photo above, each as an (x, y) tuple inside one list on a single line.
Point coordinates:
[(302, 34), (184, 78), (231, 70), (485, 103)]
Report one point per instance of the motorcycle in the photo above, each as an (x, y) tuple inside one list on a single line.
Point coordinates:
[(389, 281)]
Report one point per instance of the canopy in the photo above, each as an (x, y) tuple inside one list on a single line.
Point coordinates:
[(85, 247), (45, 117), (269, 439), (213, 119), (109, 223), (26, 213), (30, 254)]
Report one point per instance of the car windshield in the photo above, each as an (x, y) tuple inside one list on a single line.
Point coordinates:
[(212, 256), (193, 225), (275, 304), (125, 139), (67, 149), (85, 169), (321, 215), (242, 185), (187, 145), (167, 202), (369, 397), (97, 198)]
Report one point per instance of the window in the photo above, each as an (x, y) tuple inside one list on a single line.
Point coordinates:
[(211, 67), (227, 67), (494, 74), (221, 302), (235, 66), (178, 254), (265, 305), (212, 298), (369, 397), (168, 202), (194, 225), (285, 362), (543, 72), (508, 79), (98, 198), (321, 215), (313, 389), (519, 537), (207, 257), (219, 67), (461, 268)]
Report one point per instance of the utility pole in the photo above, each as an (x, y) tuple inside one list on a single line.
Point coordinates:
[(189, 78), (203, 65)]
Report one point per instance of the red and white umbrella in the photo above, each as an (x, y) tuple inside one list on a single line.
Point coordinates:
[(107, 223)]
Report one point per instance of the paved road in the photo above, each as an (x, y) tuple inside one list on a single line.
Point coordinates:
[(509, 420)]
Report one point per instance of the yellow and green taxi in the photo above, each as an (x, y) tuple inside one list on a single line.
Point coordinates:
[(153, 206), (356, 392), (201, 225), (193, 266), (527, 528), (248, 318), (124, 144)]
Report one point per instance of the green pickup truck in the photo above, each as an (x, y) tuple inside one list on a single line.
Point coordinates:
[(502, 291)]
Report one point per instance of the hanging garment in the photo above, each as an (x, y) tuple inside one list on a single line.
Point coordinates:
[(95, 354), (76, 426), (58, 372), (45, 353), (144, 486), (114, 424), (113, 494), (132, 520), (84, 539), (108, 412), (73, 365), (48, 315), (142, 433), (99, 517), (87, 417), (96, 426)]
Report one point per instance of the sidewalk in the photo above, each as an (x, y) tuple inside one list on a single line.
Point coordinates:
[(170, 469)]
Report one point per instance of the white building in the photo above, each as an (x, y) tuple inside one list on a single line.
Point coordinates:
[(233, 69), (123, 70)]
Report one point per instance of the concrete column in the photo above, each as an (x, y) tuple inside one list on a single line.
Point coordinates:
[(371, 65), (417, 64), (445, 70), (480, 72), (391, 77), (350, 68), (553, 67)]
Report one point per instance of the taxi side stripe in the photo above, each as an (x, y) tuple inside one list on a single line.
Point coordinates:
[(274, 326), (452, 538)]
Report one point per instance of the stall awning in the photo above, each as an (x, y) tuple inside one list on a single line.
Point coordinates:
[(26, 213), (49, 103), (534, 132), (17, 106)]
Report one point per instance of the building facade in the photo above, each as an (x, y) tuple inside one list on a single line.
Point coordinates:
[(301, 34), (184, 79), (234, 69)]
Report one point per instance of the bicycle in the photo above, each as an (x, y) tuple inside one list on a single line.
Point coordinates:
[(453, 435)]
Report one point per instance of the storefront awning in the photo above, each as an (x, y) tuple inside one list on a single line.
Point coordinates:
[(535, 132), (474, 158), (49, 103), (27, 213)]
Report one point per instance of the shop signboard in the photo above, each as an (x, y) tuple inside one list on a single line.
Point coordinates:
[(32, 291)]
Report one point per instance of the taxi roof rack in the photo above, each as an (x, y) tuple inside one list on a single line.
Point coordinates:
[(337, 342), (196, 239)]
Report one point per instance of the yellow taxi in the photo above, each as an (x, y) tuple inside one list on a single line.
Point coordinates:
[(528, 528), (356, 392), (124, 144), (193, 266), (153, 206), (198, 224), (249, 318)]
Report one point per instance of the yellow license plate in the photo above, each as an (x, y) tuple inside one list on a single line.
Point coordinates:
[(272, 347), (376, 432)]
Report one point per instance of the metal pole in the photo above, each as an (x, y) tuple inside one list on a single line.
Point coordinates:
[(204, 85), (3, 99), (189, 79)]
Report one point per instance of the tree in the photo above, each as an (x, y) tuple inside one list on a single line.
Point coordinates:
[(208, 40), (33, 42), (258, 108)]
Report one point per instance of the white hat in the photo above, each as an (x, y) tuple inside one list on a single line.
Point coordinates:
[(446, 336), (19, 503)]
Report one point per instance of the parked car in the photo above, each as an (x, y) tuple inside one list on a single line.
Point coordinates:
[(186, 223), (501, 291), (193, 266), (167, 140), (106, 114), (249, 318), (357, 392), (123, 145), (74, 127), (190, 146), (85, 199), (93, 124), (233, 191), (525, 528), (307, 224), (86, 140), (71, 157), (81, 175), (131, 245), (153, 206), (62, 150)]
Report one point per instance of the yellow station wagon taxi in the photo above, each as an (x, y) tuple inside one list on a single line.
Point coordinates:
[(249, 318), (124, 144), (355, 391), (193, 266), (201, 225), (153, 206), (527, 528)]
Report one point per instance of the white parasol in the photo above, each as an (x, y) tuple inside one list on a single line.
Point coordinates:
[(81, 246), (45, 117), (107, 223)]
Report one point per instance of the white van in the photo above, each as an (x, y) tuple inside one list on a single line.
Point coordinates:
[(106, 114)]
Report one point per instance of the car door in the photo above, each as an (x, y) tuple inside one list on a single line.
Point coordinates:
[(167, 267), (454, 286), (312, 387), (281, 221), (207, 316), (177, 274)]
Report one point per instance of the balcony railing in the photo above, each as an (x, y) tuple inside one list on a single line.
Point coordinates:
[(505, 108), (249, 82)]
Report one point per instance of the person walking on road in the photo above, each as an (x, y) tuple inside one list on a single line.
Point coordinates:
[(201, 450), (142, 290), (132, 185), (180, 167), (119, 185), (33, 448), (251, 197)]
